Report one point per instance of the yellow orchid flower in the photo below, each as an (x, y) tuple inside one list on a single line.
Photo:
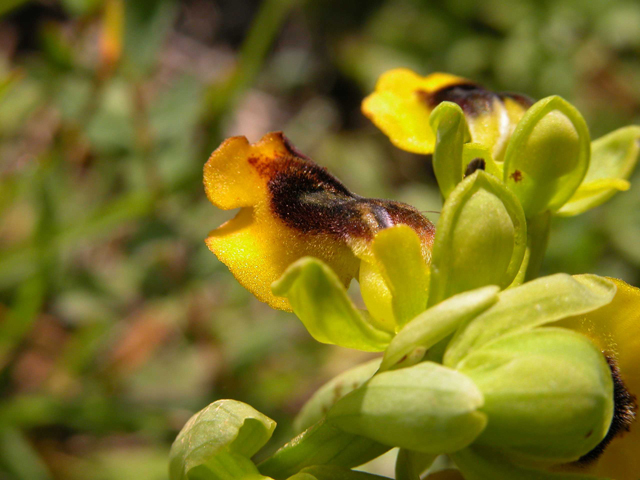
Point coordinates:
[(615, 328), (402, 102), (291, 208)]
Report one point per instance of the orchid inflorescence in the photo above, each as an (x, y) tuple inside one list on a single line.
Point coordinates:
[(508, 375)]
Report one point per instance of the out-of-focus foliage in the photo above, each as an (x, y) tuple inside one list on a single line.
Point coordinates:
[(116, 323)]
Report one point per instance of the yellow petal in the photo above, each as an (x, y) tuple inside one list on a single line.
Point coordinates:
[(403, 101), (291, 208), (615, 328)]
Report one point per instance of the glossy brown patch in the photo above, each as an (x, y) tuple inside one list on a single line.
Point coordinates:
[(516, 176), (523, 100), (624, 414), (307, 198), (472, 98), (475, 164)]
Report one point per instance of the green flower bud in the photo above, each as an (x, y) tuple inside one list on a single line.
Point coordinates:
[(548, 395), (547, 156), (218, 442), (480, 239), (426, 408)]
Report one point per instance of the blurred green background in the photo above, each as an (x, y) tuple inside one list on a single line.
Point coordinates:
[(116, 323)]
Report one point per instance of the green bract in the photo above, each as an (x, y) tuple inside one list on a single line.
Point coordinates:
[(321, 444), (450, 127), (533, 304), (480, 239), (427, 408), (321, 303), (218, 442), (434, 324), (613, 158)]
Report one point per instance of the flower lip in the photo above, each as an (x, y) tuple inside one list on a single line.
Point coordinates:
[(292, 208), (624, 414)]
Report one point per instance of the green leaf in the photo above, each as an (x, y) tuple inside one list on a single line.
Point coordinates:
[(548, 394), (533, 304), (322, 444), (321, 302), (218, 442), (427, 408), (480, 238), (327, 395), (411, 465), (450, 126), (482, 463), (613, 158), (332, 472), (404, 268), (435, 324), (547, 156)]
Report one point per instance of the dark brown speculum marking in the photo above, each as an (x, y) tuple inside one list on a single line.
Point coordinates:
[(307, 198), (523, 100), (472, 98), (624, 414)]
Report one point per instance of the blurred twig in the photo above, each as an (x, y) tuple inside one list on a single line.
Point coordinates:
[(263, 32)]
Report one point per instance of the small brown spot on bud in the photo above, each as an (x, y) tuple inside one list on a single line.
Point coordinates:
[(516, 176)]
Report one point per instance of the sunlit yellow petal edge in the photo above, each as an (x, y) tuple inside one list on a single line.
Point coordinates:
[(402, 102), (291, 208), (615, 328)]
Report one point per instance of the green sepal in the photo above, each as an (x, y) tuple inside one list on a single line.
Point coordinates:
[(613, 158), (218, 442), (548, 394), (536, 303), (332, 472), (472, 150), (411, 465), (480, 238), (326, 396), (450, 126), (435, 324), (321, 444), (427, 408), (321, 302), (376, 296), (398, 251), (548, 155), (482, 463)]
